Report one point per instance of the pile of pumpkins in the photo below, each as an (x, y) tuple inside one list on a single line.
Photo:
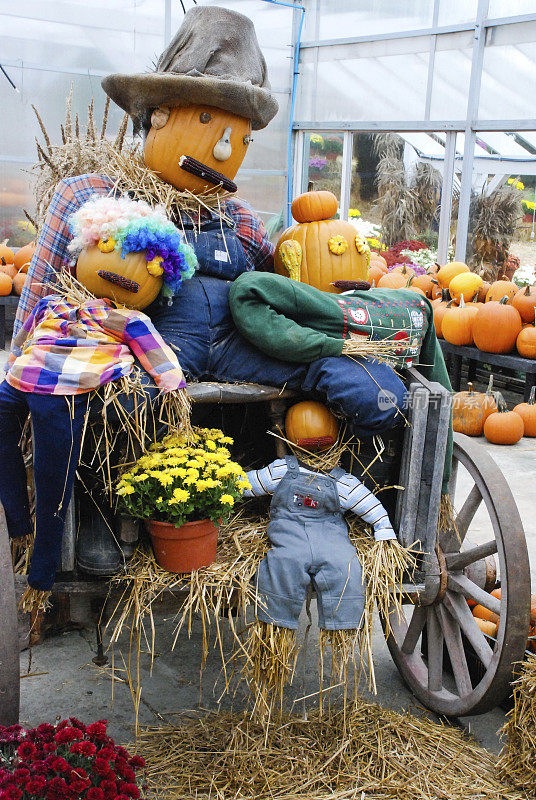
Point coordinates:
[(495, 317), (486, 413), (488, 621), (13, 268)]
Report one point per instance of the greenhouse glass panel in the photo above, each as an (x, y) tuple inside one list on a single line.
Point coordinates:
[(510, 8), (509, 92), (455, 11), (322, 164), (328, 20), (452, 72), (15, 194)]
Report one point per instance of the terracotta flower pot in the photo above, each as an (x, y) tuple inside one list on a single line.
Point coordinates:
[(183, 549)]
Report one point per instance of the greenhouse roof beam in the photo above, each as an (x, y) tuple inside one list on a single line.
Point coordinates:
[(366, 126)]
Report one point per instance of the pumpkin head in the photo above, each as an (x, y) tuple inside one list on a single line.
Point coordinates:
[(124, 280), (526, 342), (496, 327), (6, 284), (500, 289), (457, 323), (527, 412), (503, 426), (311, 425), (215, 139), (471, 409), (525, 302), (23, 257), (445, 274), (465, 285), (324, 250)]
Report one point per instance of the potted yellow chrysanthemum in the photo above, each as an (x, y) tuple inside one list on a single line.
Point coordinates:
[(183, 491)]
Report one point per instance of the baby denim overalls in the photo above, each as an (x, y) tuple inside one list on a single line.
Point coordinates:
[(310, 543)]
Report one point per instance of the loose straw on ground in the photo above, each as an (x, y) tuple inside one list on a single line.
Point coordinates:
[(517, 761), (365, 751)]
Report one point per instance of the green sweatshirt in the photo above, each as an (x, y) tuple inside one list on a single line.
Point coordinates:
[(296, 322)]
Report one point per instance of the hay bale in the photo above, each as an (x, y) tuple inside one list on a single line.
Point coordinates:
[(517, 759)]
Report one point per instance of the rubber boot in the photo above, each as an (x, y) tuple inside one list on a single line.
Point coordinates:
[(98, 551)]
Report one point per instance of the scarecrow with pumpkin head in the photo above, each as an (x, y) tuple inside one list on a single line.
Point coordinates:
[(196, 112)]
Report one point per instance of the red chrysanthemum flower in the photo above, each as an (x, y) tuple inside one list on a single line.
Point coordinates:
[(68, 735), (130, 789), (97, 730), (40, 767), (50, 747), (77, 724), (10, 793), (80, 773), (101, 766), (109, 788), (95, 794), (78, 786), (137, 762), (61, 765), (45, 732), (35, 785), (26, 750), (106, 752), (21, 775)]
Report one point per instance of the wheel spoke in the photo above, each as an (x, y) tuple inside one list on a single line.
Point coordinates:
[(458, 660), (414, 630), (461, 584), (460, 611), (435, 651), (468, 511), (461, 560)]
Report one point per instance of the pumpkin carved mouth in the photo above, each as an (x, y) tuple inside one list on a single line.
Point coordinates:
[(119, 280), (200, 170)]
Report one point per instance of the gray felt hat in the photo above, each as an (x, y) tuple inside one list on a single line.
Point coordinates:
[(214, 60)]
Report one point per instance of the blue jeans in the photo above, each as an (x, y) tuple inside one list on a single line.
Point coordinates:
[(199, 327), (57, 423)]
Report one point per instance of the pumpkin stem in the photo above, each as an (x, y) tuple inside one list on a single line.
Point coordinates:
[(474, 298), (469, 388), (527, 291), (489, 390), (462, 301), (504, 300), (501, 403), (409, 281), (532, 398)]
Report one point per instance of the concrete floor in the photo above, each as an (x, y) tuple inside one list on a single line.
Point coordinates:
[(71, 685)]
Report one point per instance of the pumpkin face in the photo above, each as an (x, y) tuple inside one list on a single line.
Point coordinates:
[(503, 426), (217, 139), (496, 327), (465, 285), (527, 412), (500, 289), (525, 302), (311, 425), (133, 268), (526, 342), (330, 251)]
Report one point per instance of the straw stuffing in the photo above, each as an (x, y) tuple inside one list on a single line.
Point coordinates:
[(517, 761)]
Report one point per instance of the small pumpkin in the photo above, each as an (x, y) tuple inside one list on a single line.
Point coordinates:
[(195, 131), (439, 312), (313, 206), (471, 409), (457, 323), (6, 284), (525, 302), (445, 274), (18, 282), (527, 412), (484, 613), (496, 327), (438, 291), (311, 425), (404, 269), (465, 285), (375, 273), (7, 269), (500, 289), (393, 280), (23, 257), (413, 287), (526, 342), (488, 628), (424, 282), (484, 289), (503, 426), (379, 261), (6, 253), (134, 266)]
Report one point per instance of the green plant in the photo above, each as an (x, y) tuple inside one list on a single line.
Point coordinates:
[(176, 481), (332, 146)]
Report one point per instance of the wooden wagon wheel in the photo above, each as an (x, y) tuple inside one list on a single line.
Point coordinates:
[(9, 638), (431, 645)]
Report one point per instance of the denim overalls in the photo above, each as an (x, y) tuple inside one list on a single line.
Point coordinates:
[(309, 538)]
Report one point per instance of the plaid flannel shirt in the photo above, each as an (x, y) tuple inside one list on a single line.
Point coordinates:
[(72, 348), (51, 252)]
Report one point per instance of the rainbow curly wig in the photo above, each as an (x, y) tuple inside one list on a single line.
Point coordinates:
[(131, 226)]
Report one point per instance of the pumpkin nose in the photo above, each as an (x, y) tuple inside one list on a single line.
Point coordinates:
[(222, 149)]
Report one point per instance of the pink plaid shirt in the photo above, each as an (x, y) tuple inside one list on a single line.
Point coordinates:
[(51, 252)]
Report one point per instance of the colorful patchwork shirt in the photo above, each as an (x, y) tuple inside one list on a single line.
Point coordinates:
[(71, 348)]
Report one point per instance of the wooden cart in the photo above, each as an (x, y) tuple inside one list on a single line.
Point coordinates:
[(437, 643)]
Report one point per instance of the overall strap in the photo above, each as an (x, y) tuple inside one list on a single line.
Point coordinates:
[(337, 473), (292, 466)]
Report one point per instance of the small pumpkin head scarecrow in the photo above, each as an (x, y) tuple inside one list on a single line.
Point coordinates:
[(71, 347), (310, 545), (209, 90)]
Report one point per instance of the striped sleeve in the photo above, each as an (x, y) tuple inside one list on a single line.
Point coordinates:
[(355, 497), (266, 480)]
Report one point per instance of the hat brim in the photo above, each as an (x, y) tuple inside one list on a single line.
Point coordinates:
[(139, 94)]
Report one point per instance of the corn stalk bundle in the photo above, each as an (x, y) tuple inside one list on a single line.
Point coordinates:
[(517, 760), (365, 752)]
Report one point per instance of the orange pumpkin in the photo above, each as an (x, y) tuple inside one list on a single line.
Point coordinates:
[(311, 425), (526, 342), (320, 252), (313, 206), (134, 266), (404, 269), (6, 253), (457, 323), (438, 292), (496, 327), (424, 282), (471, 409), (484, 613), (527, 412), (375, 273), (18, 282), (525, 302), (503, 426), (411, 286), (199, 132), (6, 284), (439, 312), (8, 269), (466, 285), (393, 280), (484, 289), (378, 261), (500, 289), (488, 628), (23, 256), (445, 274)]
